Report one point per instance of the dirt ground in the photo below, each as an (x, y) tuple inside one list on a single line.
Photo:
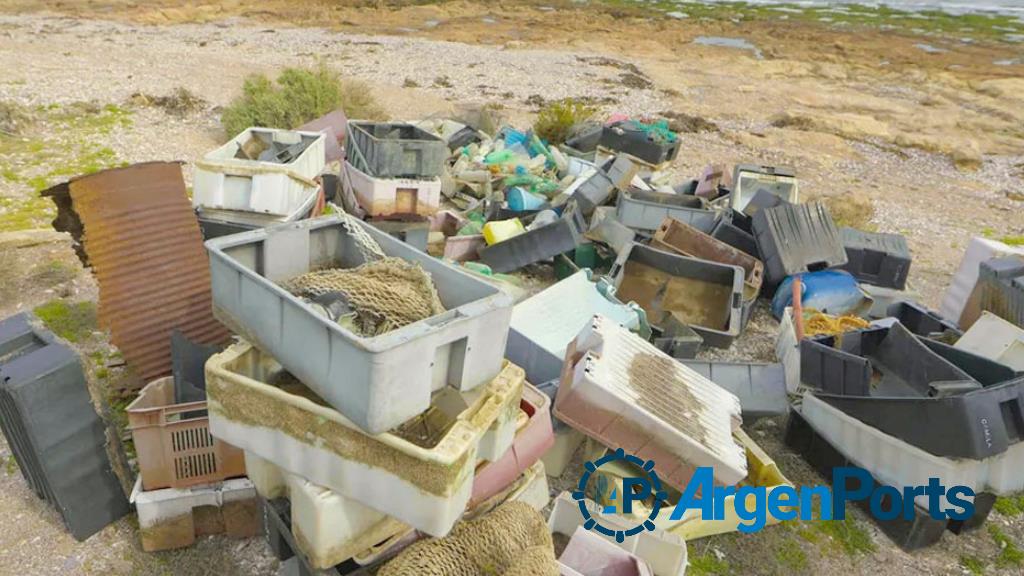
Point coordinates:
[(929, 144)]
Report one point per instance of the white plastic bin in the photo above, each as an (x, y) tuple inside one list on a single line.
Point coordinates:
[(423, 481), (387, 196), (223, 181)]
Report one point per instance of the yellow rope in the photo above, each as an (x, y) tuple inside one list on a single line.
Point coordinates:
[(818, 323)]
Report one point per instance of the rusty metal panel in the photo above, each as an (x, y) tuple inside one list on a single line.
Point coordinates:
[(146, 251)]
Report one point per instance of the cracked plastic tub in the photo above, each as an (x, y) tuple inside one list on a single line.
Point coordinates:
[(706, 295), (420, 473), (377, 382)]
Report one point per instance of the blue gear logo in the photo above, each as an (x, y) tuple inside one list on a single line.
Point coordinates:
[(649, 485)]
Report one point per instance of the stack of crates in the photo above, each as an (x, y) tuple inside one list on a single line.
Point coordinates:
[(395, 168), (371, 440), (183, 467)]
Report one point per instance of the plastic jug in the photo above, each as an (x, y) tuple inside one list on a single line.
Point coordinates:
[(501, 230)]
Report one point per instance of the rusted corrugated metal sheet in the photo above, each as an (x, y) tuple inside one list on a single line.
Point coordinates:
[(143, 242)]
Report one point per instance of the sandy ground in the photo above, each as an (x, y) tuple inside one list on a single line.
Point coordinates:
[(933, 142)]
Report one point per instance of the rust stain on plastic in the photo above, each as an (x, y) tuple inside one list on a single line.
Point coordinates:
[(146, 250)]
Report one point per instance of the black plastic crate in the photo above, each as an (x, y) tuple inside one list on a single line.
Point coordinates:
[(948, 402), (627, 137), (539, 244), (877, 258), (396, 150), (727, 231), (1002, 288), (922, 531), (49, 421), (920, 320), (796, 238), (277, 528)]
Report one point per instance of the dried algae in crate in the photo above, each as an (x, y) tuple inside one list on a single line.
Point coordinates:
[(502, 542)]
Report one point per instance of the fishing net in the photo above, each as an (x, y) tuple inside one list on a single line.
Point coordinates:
[(500, 543), (374, 298)]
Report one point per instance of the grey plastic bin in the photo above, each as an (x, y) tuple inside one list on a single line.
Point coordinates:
[(396, 150), (877, 258), (761, 388), (645, 211), (376, 382), (708, 295)]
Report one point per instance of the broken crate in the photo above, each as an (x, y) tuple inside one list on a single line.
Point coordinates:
[(622, 391)]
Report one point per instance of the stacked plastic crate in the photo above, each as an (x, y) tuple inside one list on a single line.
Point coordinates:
[(371, 440), (394, 168)]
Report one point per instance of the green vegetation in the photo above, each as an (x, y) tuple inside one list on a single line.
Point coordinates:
[(790, 556), (1013, 240), (847, 534), (297, 97), (72, 321), (555, 119), (1010, 554), (972, 564), (706, 563), (53, 272), (1010, 505), (74, 145)]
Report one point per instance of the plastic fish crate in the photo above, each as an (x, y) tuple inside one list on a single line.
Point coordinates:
[(996, 339), (923, 530), (628, 138), (761, 471), (376, 382), (167, 517), (679, 237), (533, 438), (877, 258), (396, 150), (760, 387), (48, 419), (898, 463), (387, 196), (588, 553), (664, 553), (622, 391), (544, 324), (706, 295), (970, 408), (1002, 288), (223, 181), (795, 238), (594, 190), (424, 480), (961, 302), (538, 244), (882, 259), (328, 527), (728, 232), (173, 441), (749, 179), (920, 320), (645, 211), (282, 528)]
